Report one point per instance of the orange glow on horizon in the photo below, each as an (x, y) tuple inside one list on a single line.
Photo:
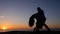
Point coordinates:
[(8, 25)]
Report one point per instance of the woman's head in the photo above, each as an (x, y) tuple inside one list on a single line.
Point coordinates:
[(39, 10)]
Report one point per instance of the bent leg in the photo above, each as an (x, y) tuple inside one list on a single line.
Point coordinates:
[(47, 27), (36, 28)]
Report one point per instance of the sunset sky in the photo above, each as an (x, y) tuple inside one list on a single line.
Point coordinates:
[(14, 14)]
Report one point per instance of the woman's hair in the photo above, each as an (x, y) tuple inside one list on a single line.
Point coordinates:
[(40, 10)]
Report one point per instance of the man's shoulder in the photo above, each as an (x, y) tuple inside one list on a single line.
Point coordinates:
[(34, 14)]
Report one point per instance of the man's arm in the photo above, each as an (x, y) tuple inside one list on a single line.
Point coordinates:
[(33, 16)]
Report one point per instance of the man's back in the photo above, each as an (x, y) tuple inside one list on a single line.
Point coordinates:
[(39, 17)]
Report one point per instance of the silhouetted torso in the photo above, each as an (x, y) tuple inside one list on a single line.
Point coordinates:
[(39, 17)]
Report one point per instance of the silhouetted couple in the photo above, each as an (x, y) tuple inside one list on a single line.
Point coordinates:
[(40, 18)]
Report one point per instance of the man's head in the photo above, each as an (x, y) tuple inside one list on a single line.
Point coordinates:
[(39, 9)]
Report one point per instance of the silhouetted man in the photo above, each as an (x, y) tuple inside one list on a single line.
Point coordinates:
[(40, 18)]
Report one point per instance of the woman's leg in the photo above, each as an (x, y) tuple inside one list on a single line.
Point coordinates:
[(47, 27)]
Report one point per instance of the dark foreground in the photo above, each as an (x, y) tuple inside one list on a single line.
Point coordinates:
[(31, 32)]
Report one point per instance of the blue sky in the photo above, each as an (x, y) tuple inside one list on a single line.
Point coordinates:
[(17, 12)]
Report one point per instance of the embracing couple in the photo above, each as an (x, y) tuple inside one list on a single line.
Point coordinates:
[(40, 18)]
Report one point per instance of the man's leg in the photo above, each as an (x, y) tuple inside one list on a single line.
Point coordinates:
[(47, 27), (36, 28)]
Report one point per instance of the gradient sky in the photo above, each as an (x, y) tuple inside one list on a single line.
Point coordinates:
[(16, 13)]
